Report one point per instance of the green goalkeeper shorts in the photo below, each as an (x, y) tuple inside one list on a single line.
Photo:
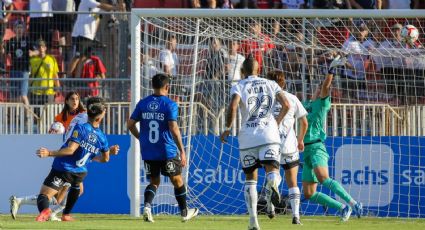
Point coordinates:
[(314, 155)]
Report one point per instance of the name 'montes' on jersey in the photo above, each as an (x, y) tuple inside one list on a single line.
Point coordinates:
[(258, 96), (154, 113), (92, 141), (286, 127)]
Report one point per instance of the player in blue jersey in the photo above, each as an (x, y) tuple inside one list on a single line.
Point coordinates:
[(161, 144), (87, 142)]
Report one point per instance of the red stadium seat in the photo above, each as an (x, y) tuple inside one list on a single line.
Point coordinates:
[(332, 37)]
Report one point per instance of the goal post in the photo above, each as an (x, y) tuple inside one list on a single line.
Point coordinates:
[(375, 127)]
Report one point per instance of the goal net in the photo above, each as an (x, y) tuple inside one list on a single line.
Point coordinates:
[(375, 127)]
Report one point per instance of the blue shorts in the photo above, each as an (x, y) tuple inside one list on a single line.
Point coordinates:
[(20, 85)]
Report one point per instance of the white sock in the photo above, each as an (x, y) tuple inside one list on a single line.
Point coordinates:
[(59, 208), (294, 198), (251, 199), (30, 200), (271, 176), (274, 175)]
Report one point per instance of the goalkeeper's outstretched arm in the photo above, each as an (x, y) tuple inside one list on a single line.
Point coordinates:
[(326, 85)]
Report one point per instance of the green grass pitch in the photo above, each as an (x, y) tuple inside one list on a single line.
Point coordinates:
[(164, 222)]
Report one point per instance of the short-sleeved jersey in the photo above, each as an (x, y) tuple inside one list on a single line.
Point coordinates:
[(156, 141), (92, 141), (47, 69), (79, 119), (286, 127), (317, 112), (258, 96)]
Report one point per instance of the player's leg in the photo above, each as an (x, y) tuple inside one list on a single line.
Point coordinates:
[(269, 156), (310, 184), (250, 163), (173, 169), (290, 165), (320, 166), (61, 202), (153, 169), (75, 179)]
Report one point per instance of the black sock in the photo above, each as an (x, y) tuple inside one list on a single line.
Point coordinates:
[(150, 192), (180, 194), (73, 194), (42, 202)]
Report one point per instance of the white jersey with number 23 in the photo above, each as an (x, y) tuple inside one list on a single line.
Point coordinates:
[(259, 127)]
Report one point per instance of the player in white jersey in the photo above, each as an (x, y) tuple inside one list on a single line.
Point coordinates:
[(259, 138), (60, 199), (290, 145)]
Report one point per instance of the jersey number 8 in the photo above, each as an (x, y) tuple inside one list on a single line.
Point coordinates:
[(153, 131)]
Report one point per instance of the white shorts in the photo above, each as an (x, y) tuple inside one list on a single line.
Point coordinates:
[(253, 158), (290, 160)]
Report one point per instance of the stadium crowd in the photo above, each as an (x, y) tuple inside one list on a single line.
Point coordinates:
[(45, 54)]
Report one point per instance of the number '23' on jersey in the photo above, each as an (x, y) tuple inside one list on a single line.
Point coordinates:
[(92, 141), (154, 113)]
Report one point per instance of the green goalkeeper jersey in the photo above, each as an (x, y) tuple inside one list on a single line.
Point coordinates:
[(317, 113)]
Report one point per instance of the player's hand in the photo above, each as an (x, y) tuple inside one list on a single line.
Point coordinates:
[(224, 136), (301, 145), (183, 159), (114, 149), (42, 152)]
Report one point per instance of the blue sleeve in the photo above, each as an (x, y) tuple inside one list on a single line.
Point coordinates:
[(173, 111), (105, 144), (77, 134), (137, 113)]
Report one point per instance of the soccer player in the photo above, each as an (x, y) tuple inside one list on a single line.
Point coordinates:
[(161, 145), (315, 156), (87, 142), (259, 134), (290, 145), (72, 100)]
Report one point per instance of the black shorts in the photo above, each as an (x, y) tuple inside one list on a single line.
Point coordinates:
[(170, 167), (57, 179)]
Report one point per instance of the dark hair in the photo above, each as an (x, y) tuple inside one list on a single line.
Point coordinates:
[(88, 52), (95, 107), (277, 76), (249, 65), (66, 109), (160, 80)]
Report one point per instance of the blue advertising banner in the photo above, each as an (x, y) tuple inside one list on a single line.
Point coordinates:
[(387, 174)]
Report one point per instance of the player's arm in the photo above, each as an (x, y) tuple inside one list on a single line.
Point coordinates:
[(231, 114), (175, 131), (102, 158), (285, 106), (131, 125), (302, 121), (326, 85), (67, 151)]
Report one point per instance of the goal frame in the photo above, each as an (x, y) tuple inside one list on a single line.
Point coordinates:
[(134, 159)]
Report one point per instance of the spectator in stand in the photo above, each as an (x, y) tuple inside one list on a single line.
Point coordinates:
[(89, 66), (234, 65), (44, 72), (326, 4), (400, 4), (268, 4), (41, 23), (72, 108), (366, 4), (5, 5), (168, 58), (64, 22), (259, 45), (86, 25), (357, 60), (387, 64), (294, 4), (20, 49)]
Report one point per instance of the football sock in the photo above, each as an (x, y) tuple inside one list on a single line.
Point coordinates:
[(59, 208), (336, 187), (150, 192), (42, 202), (73, 194), (31, 200), (271, 176), (251, 199), (180, 194), (294, 198), (326, 200)]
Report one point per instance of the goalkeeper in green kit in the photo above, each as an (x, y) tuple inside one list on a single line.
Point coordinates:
[(315, 156)]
